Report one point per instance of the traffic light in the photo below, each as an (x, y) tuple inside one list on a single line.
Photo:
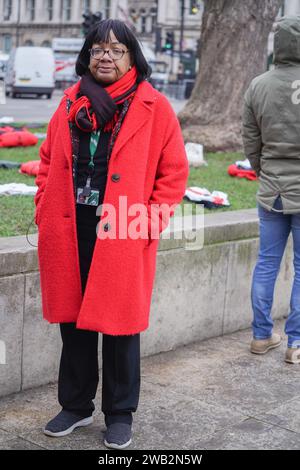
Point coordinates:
[(194, 8), (87, 22), (158, 40), (170, 40), (96, 17), (90, 20)]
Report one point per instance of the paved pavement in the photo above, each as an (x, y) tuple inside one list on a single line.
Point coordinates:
[(207, 395), (31, 109)]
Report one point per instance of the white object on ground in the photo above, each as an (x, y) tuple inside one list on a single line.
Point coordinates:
[(40, 135), (195, 154), (6, 119), (220, 194), (12, 189), (243, 164), (196, 194)]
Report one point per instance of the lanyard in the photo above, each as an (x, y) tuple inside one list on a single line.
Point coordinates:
[(94, 139), (95, 135)]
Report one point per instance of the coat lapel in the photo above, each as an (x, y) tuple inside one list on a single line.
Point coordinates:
[(138, 114), (64, 130), (65, 134)]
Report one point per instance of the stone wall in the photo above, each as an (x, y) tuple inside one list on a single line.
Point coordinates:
[(197, 294)]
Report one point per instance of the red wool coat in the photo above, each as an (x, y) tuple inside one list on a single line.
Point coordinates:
[(152, 167)]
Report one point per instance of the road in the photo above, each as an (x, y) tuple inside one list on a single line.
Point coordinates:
[(33, 110)]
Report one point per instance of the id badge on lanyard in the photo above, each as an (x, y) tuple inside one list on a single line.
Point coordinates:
[(86, 195)]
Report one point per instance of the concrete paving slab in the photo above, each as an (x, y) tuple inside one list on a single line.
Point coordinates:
[(212, 394)]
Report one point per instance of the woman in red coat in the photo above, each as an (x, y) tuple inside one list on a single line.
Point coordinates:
[(113, 168)]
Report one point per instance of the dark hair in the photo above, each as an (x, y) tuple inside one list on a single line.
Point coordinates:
[(100, 33)]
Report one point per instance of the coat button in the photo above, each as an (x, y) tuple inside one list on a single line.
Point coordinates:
[(106, 227), (115, 177)]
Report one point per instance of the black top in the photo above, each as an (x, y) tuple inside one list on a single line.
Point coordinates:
[(99, 177), (100, 160), (87, 214)]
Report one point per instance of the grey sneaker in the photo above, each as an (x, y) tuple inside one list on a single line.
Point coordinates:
[(64, 423), (118, 436), (262, 346)]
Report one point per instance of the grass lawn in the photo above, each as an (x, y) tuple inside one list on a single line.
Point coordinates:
[(17, 211)]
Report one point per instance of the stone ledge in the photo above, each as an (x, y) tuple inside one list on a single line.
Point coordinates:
[(17, 256)]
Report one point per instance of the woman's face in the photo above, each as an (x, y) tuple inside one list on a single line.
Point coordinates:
[(106, 69)]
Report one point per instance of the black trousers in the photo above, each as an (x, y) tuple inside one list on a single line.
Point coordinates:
[(79, 368)]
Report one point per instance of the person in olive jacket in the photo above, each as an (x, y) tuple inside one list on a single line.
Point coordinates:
[(271, 135)]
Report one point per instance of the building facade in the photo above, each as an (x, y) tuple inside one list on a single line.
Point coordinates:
[(36, 22), (291, 7)]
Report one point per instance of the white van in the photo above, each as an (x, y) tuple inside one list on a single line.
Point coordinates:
[(30, 70)]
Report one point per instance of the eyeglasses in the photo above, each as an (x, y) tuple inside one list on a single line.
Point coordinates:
[(114, 54)]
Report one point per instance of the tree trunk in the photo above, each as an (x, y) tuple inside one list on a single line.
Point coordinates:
[(234, 39)]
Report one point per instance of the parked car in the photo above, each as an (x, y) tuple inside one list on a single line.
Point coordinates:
[(160, 74)]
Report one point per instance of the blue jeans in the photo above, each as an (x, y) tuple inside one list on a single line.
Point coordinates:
[(275, 228)]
